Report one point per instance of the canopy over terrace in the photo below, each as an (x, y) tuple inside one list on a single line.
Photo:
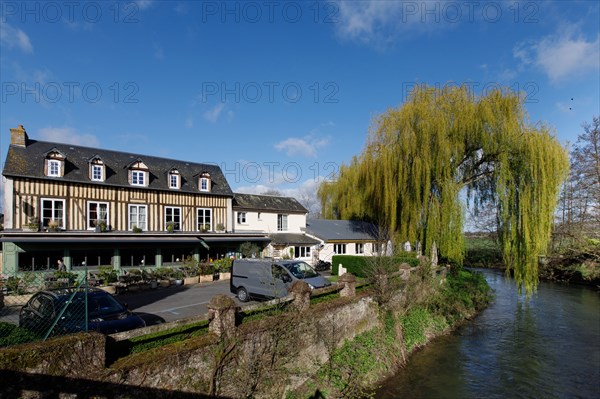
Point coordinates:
[(24, 251)]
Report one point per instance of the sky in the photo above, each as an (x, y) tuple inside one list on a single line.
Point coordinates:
[(279, 93)]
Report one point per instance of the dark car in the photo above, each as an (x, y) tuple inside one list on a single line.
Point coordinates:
[(105, 313)]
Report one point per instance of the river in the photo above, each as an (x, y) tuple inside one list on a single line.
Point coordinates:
[(544, 347)]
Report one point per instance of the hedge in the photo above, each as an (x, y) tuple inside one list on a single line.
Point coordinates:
[(358, 265)]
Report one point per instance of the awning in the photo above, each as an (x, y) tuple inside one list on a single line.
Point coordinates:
[(235, 239), (99, 239)]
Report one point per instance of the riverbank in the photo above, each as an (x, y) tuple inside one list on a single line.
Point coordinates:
[(544, 346), (426, 310)]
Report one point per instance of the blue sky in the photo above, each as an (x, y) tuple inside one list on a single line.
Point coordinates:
[(279, 93)]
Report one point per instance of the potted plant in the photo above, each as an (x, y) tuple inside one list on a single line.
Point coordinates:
[(163, 276), (190, 269), (170, 227), (136, 229), (220, 228), (34, 224), (206, 272), (177, 275), (100, 226), (53, 225), (109, 276), (223, 266)]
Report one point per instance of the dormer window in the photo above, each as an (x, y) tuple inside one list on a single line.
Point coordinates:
[(138, 178), (97, 169), (204, 183), (54, 163), (53, 168), (138, 173), (174, 179)]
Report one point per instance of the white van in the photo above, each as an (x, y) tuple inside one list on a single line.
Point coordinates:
[(259, 278)]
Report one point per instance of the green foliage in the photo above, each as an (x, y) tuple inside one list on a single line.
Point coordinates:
[(205, 269), (482, 251), (414, 324), (10, 335), (107, 274), (161, 338), (223, 265), (359, 265), (419, 157), (463, 294), (358, 363), (249, 249)]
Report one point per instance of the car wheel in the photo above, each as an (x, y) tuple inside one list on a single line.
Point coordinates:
[(242, 294)]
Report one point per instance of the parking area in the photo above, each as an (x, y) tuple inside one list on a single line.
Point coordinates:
[(176, 302)]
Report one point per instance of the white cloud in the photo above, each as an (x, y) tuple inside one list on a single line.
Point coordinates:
[(213, 114), (303, 147), (379, 23), (68, 135), (143, 4), (189, 122), (561, 56), (13, 37)]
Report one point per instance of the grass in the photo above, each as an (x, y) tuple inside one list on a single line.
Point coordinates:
[(161, 338)]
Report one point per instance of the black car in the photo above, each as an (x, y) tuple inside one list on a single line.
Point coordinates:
[(105, 313)]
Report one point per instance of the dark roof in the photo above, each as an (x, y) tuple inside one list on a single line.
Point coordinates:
[(292, 238), (341, 230), (29, 162), (267, 203)]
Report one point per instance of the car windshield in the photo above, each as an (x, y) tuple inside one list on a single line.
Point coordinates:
[(98, 305), (301, 270)]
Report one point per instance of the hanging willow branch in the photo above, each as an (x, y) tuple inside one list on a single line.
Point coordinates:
[(419, 158)]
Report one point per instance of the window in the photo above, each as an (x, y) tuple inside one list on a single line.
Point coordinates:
[(138, 178), (173, 180), (53, 168), (53, 210), (301, 252), (173, 215), (204, 184), (241, 217), (138, 217), (376, 248), (97, 173), (339, 249), (282, 222), (204, 220), (97, 214), (360, 249)]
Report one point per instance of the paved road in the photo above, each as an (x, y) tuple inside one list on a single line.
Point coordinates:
[(175, 302)]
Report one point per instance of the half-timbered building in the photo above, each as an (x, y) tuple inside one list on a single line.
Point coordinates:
[(91, 207)]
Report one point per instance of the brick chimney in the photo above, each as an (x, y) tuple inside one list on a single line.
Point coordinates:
[(18, 136)]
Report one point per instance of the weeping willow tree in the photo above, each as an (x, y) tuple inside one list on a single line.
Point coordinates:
[(423, 159)]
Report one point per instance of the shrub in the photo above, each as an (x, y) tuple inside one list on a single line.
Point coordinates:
[(223, 265), (10, 334), (107, 274)]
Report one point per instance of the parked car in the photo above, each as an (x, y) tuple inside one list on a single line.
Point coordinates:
[(105, 313), (257, 278)]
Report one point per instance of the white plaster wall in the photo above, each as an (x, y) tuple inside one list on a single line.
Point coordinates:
[(268, 222), (326, 253)]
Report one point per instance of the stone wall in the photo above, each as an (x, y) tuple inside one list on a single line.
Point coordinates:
[(263, 358)]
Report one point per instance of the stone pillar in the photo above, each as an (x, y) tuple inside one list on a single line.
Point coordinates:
[(221, 310), (349, 282), (301, 292)]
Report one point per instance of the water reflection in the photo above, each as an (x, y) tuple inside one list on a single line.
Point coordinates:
[(544, 347)]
